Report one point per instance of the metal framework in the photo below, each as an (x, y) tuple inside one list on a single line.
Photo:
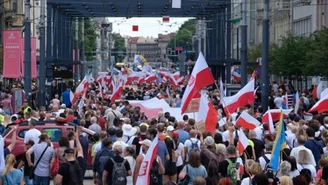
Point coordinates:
[(61, 15)]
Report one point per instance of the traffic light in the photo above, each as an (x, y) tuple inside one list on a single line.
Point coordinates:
[(178, 51)]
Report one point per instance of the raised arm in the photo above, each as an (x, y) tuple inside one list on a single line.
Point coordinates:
[(13, 139)]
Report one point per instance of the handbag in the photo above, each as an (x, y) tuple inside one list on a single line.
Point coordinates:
[(55, 166), (31, 176), (185, 181)]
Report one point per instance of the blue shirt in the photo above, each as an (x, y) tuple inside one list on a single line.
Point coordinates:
[(183, 136), (66, 98), (162, 151), (12, 178), (316, 148)]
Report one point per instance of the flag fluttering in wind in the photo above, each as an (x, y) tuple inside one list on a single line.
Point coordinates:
[(247, 121), (145, 167), (200, 77), (207, 113), (279, 144)]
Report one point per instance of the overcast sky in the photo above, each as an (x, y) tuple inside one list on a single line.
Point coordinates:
[(147, 26)]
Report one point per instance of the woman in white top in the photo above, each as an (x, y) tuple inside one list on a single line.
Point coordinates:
[(128, 153), (179, 149), (304, 162), (254, 169)]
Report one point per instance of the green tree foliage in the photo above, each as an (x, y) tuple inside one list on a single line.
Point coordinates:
[(290, 57), (254, 52), (183, 38), (317, 54), (90, 36), (119, 47)]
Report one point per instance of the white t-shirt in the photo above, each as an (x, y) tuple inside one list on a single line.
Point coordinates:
[(307, 166), (179, 151), (97, 147), (188, 144), (296, 150), (32, 134), (225, 135), (122, 143), (278, 101), (262, 161)]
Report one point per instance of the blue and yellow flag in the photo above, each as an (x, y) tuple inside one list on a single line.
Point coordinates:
[(279, 144), (141, 59)]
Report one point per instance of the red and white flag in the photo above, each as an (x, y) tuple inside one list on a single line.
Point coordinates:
[(242, 142), (72, 97), (243, 97), (317, 91), (117, 91), (275, 113), (247, 121), (207, 113), (271, 127), (146, 165), (321, 106), (200, 77)]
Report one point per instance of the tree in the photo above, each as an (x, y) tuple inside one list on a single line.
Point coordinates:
[(183, 37), (90, 37), (119, 47), (290, 57), (316, 55), (254, 52)]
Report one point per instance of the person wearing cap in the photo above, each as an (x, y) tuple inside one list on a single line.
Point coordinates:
[(208, 151), (63, 176), (169, 131), (42, 170), (145, 144)]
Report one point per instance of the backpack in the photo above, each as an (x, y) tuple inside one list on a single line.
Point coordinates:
[(267, 163), (231, 172), (119, 173), (194, 147), (154, 172), (75, 174), (103, 157)]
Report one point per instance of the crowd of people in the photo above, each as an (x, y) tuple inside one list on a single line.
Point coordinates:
[(123, 134)]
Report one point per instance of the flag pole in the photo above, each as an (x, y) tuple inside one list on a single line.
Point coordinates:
[(221, 96)]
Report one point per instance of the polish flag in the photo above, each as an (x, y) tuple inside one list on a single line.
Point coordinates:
[(297, 103), (270, 122), (151, 78), (321, 106), (317, 91), (243, 97), (117, 91), (172, 80), (207, 113), (247, 121), (253, 75), (147, 162), (200, 77), (324, 93), (242, 142), (72, 97), (275, 113)]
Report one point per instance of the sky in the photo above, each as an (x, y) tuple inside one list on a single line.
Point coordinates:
[(148, 27)]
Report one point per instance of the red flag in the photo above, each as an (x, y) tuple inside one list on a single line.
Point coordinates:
[(145, 167), (208, 114), (321, 106), (242, 142), (135, 28), (243, 97), (247, 121), (166, 19), (200, 77), (117, 91), (275, 114)]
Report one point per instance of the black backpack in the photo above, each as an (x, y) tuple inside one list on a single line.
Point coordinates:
[(194, 147), (154, 173), (119, 173), (102, 158), (75, 174)]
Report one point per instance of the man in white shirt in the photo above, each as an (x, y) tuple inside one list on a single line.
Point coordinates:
[(290, 134), (278, 101), (119, 136), (33, 133), (188, 143), (301, 141), (265, 159)]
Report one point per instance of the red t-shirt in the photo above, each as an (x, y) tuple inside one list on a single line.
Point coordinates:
[(69, 118), (102, 122)]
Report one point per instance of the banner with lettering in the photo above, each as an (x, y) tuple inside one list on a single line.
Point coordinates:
[(11, 54)]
